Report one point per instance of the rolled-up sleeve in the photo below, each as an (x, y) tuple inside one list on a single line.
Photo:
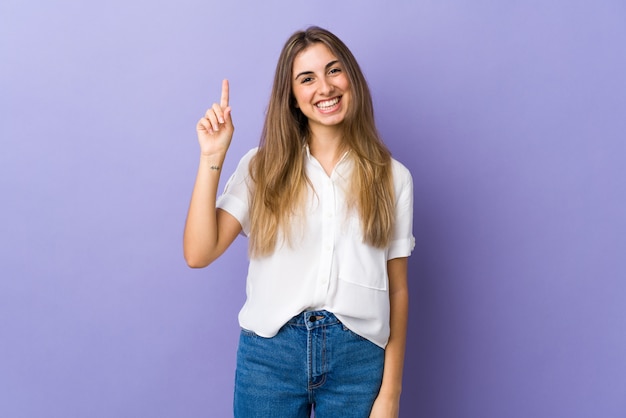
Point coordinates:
[(236, 195), (402, 241)]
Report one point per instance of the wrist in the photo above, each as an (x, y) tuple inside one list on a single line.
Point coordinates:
[(213, 161)]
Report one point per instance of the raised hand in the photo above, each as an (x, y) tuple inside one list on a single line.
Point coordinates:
[(209, 232), (215, 129)]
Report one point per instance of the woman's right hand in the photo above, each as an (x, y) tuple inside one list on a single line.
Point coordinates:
[(215, 129)]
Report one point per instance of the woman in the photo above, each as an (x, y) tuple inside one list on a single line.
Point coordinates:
[(328, 215)]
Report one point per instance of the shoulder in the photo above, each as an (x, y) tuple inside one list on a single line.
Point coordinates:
[(244, 162), (248, 155), (401, 174), (403, 188)]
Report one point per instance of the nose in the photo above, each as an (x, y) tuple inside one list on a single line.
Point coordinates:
[(325, 87)]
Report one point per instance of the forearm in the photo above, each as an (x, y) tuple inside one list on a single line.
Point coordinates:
[(387, 404), (394, 352), (201, 231)]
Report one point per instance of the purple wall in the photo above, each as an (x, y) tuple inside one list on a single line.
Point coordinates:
[(511, 116)]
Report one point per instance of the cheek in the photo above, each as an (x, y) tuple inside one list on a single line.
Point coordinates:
[(297, 101), (302, 98), (345, 83), (297, 96)]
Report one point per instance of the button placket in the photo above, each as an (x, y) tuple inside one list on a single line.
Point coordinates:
[(327, 199)]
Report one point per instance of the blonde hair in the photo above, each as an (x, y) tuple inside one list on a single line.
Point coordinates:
[(278, 171)]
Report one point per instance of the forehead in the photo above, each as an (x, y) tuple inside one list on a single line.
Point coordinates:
[(313, 58)]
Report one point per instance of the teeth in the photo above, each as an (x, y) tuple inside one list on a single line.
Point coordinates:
[(328, 103)]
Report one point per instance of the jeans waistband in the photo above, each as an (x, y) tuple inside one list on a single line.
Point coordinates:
[(312, 319)]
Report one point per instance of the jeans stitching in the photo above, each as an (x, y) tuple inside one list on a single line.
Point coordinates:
[(322, 358)]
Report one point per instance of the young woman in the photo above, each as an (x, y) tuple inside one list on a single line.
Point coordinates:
[(328, 215)]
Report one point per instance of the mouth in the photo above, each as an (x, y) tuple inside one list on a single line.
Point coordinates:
[(329, 104)]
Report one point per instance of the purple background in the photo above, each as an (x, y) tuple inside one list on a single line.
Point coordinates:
[(511, 116)]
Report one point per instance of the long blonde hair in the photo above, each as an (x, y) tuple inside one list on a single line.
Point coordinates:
[(278, 170)]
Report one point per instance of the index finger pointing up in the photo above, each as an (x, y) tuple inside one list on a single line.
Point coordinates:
[(224, 99)]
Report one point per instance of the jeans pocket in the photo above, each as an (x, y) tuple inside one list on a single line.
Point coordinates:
[(248, 333), (353, 334)]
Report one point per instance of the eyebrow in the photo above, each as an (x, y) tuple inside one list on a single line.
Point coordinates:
[(330, 64)]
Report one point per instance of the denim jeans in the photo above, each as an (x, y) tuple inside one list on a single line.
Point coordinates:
[(313, 362)]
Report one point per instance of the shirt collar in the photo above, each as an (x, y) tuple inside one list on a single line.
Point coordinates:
[(312, 158), (341, 169)]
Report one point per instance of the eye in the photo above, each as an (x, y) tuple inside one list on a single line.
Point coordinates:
[(305, 80), (334, 71)]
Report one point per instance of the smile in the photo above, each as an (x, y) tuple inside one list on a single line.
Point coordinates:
[(327, 104)]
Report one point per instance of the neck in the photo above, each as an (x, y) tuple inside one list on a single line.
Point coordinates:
[(321, 136), (327, 147)]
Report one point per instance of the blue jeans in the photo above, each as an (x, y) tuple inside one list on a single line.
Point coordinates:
[(313, 362)]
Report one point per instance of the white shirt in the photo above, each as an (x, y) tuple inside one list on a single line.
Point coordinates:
[(327, 266)]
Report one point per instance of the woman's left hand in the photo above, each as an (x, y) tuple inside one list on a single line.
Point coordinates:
[(385, 407)]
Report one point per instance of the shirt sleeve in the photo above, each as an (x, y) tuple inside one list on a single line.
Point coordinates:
[(235, 198), (402, 241)]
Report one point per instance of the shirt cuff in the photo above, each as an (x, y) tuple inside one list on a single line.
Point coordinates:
[(236, 208), (401, 248)]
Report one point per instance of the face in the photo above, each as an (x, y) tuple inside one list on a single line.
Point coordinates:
[(320, 86)]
